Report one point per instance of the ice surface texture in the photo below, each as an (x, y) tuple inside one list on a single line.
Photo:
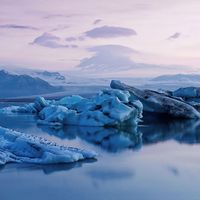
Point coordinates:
[(22, 148), (108, 108), (156, 102), (187, 92)]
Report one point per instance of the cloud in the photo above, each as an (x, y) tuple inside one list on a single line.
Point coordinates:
[(72, 39), (81, 38), (59, 27), (73, 46), (174, 36), (15, 26), (57, 16), (109, 32), (97, 21), (118, 60), (51, 41), (108, 58)]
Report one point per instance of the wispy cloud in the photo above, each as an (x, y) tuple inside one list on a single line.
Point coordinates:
[(59, 27), (51, 41), (97, 21), (110, 32), (57, 16), (174, 36), (73, 39), (15, 26)]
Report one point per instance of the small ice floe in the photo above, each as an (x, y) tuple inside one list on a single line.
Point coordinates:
[(34, 107), (23, 148), (108, 108), (155, 102)]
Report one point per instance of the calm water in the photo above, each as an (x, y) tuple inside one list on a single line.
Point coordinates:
[(159, 160)]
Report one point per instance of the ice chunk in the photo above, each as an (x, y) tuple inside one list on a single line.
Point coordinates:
[(116, 110), (188, 92), (22, 148), (108, 108), (85, 104), (156, 102), (71, 100), (53, 114), (35, 107), (123, 96), (40, 103)]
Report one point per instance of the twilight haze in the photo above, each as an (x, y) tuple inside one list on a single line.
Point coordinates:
[(130, 37)]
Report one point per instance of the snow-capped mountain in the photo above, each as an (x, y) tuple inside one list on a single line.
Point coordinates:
[(54, 78), (12, 85)]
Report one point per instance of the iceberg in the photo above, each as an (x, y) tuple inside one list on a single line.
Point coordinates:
[(109, 108), (21, 148), (155, 102), (71, 100), (189, 94)]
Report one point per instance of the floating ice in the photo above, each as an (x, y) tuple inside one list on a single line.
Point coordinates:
[(156, 102), (188, 92), (71, 100), (35, 107), (22, 148), (108, 108)]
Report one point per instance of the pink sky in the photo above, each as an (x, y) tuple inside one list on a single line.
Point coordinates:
[(56, 35)]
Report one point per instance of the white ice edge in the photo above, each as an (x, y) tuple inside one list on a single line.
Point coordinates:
[(23, 148)]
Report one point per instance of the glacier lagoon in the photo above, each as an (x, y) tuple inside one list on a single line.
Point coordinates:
[(159, 157)]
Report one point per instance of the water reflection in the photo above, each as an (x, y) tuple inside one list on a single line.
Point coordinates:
[(174, 170), (150, 131), (110, 174), (115, 140), (110, 139), (183, 131), (46, 169)]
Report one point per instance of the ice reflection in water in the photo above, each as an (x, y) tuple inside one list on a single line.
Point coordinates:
[(46, 169), (115, 140), (147, 163)]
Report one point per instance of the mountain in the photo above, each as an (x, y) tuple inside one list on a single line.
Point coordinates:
[(178, 78), (55, 75), (54, 78), (12, 85)]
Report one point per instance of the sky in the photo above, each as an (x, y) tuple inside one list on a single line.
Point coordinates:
[(129, 37)]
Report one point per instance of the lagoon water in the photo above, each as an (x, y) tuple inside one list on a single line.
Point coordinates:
[(159, 160)]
